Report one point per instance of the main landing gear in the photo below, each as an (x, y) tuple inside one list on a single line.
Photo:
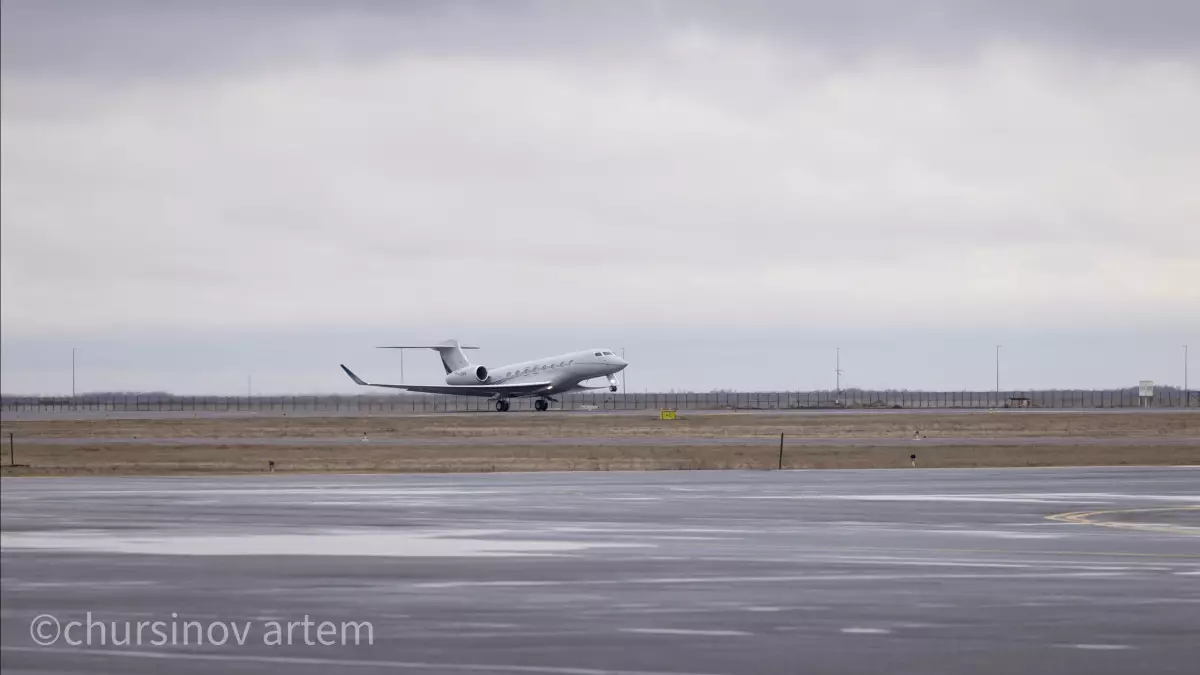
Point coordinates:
[(502, 404)]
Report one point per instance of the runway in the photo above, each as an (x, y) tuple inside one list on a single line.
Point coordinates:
[(1093, 570)]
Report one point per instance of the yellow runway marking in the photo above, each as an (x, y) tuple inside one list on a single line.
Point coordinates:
[(1039, 552), (1088, 518)]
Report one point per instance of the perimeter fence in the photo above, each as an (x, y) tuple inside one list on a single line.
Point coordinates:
[(1164, 397)]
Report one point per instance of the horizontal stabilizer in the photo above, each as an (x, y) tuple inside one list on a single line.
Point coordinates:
[(444, 344), (425, 347), (451, 352)]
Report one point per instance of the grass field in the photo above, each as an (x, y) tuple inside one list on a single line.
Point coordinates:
[(584, 441)]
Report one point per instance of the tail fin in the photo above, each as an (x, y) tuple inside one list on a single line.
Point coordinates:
[(450, 351), (452, 355)]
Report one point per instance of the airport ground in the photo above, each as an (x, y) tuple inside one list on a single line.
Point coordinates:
[(166, 444), (1047, 570)]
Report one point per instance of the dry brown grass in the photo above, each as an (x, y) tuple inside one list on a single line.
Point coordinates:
[(157, 459), (588, 443), (574, 425)]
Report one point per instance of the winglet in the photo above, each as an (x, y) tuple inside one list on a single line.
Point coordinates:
[(357, 379)]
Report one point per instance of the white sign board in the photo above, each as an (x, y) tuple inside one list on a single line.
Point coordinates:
[(1146, 388)]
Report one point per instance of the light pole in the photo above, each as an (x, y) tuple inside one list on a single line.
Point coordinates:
[(998, 374), (72, 376), (1186, 398), (837, 369), (623, 372)]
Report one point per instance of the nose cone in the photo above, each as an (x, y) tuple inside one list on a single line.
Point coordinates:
[(621, 363)]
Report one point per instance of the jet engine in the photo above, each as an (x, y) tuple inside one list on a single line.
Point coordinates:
[(470, 375)]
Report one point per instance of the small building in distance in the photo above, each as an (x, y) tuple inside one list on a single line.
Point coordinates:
[(1018, 402)]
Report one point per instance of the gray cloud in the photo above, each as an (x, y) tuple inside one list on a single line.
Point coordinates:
[(624, 169), (158, 38)]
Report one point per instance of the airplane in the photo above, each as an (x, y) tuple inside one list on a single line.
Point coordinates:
[(542, 377)]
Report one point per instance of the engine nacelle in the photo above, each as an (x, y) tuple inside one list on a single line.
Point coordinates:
[(469, 375)]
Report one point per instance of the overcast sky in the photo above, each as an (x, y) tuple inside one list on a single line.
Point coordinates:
[(195, 192)]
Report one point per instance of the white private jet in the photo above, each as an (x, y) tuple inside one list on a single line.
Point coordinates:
[(542, 378)]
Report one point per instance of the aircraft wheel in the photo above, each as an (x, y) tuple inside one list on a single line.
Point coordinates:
[(501, 405), (540, 404)]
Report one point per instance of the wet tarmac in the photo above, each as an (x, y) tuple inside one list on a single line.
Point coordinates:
[(1092, 570)]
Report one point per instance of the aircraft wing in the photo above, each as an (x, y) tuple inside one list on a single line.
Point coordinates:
[(523, 389)]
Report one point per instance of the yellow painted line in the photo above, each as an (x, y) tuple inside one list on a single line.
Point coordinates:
[(1038, 552), (1089, 518)]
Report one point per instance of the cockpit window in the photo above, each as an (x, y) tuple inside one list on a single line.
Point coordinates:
[(608, 353), (597, 354)]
